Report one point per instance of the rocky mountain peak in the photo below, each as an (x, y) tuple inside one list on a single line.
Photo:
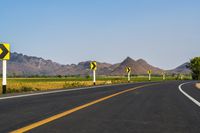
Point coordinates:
[(24, 65)]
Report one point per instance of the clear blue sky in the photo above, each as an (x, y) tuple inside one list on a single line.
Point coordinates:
[(166, 33)]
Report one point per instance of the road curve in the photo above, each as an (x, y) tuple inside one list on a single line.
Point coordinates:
[(139, 107)]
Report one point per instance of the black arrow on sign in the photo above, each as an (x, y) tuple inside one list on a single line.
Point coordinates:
[(4, 51), (94, 65)]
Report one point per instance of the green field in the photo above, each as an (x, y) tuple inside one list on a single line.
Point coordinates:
[(47, 83)]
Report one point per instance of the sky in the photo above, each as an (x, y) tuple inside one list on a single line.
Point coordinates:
[(166, 33)]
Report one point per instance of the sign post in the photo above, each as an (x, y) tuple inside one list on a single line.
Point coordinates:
[(164, 75), (93, 66), (4, 56), (149, 72), (4, 79), (94, 77), (128, 70)]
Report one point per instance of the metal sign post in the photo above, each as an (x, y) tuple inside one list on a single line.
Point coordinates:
[(149, 77), (129, 77), (128, 70), (164, 76), (149, 72), (4, 78), (93, 66), (4, 56), (94, 77)]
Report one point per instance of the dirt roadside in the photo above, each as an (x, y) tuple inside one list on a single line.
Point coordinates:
[(198, 85)]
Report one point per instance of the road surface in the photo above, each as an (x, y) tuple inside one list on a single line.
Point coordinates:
[(151, 107)]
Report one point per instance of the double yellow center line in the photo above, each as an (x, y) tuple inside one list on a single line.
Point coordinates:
[(68, 112)]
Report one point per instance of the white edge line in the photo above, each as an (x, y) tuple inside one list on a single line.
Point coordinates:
[(188, 96), (58, 91)]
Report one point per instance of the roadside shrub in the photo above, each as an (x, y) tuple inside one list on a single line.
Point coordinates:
[(72, 84), (26, 89), (194, 65), (12, 90)]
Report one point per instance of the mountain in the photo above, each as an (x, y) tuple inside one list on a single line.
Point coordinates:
[(23, 65), (181, 69), (137, 66)]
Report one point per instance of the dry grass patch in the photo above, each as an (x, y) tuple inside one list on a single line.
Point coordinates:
[(14, 86)]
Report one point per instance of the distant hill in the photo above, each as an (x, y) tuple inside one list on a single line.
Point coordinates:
[(23, 65), (137, 66), (181, 69)]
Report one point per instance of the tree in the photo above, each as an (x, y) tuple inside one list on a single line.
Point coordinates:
[(59, 76), (194, 65), (87, 76)]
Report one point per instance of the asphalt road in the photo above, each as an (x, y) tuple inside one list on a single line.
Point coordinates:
[(152, 108)]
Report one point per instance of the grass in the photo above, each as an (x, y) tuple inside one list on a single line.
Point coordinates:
[(41, 84)]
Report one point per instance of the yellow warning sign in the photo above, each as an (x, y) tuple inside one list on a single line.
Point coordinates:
[(93, 65), (4, 51), (149, 72), (128, 69)]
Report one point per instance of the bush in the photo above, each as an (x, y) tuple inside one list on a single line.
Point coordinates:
[(12, 90), (194, 65), (26, 89)]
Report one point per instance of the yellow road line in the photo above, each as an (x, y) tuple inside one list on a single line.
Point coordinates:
[(68, 112)]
